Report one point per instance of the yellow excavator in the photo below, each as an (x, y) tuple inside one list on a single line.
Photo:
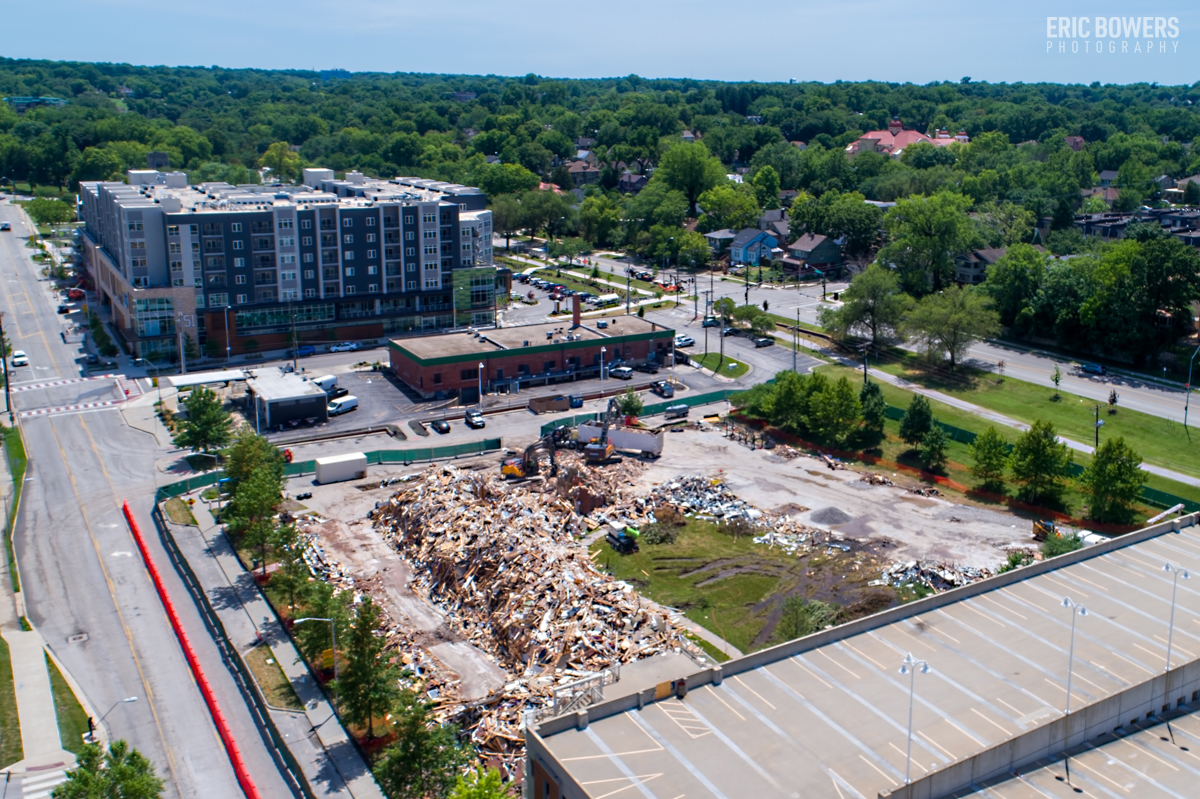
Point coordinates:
[(528, 464), (600, 449)]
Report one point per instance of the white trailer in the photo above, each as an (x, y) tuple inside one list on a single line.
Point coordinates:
[(336, 468), (649, 442)]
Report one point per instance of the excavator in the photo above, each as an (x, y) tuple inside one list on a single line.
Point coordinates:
[(527, 465), (600, 449)]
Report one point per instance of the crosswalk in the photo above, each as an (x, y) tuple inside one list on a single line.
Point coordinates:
[(39, 784), (83, 406), (65, 382)]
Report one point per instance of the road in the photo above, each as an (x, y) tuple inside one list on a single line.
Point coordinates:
[(81, 575)]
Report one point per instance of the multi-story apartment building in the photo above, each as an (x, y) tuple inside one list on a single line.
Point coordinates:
[(248, 267)]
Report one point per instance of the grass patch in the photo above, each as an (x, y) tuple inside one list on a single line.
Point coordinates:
[(10, 726), (271, 679), (14, 449), (177, 510), (72, 718), (715, 362), (1161, 442), (201, 461), (712, 650)]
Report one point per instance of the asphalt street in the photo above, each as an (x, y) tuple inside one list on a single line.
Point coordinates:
[(84, 585)]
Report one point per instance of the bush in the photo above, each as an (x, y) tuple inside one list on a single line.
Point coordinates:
[(801, 617), (1060, 544), (659, 533)]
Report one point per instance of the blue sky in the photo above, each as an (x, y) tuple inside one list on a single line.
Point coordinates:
[(769, 41)]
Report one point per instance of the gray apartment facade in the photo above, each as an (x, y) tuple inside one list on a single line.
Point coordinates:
[(245, 268)]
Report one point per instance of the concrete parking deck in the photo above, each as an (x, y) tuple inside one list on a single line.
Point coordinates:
[(832, 720)]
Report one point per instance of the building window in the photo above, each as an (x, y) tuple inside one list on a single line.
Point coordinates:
[(350, 289), (239, 262), (287, 241), (466, 246), (177, 282), (195, 246), (372, 288), (349, 256), (437, 378), (237, 244), (431, 249), (172, 230), (371, 253), (308, 257), (287, 275), (135, 226), (412, 285), (215, 262), (218, 300), (349, 271), (310, 274), (409, 235), (372, 270), (287, 259), (348, 238), (347, 223), (241, 298), (467, 262), (289, 294), (239, 279), (431, 282), (175, 248), (370, 238), (429, 219), (285, 224), (176, 266), (137, 263), (310, 293), (236, 227), (195, 229), (370, 221), (410, 251), (217, 280), (305, 224), (137, 244), (429, 234), (306, 241)]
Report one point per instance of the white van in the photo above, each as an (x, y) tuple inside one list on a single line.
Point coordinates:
[(605, 300), (343, 405), (327, 383)]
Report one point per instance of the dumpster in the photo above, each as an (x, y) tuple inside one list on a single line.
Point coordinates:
[(576, 400)]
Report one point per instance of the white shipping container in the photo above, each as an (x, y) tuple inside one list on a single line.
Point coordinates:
[(626, 438), (336, 468)]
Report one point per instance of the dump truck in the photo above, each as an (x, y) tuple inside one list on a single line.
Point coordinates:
[(648, 442)]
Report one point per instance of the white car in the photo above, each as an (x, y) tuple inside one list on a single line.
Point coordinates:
[(19, 358), (684, 341), (348, 347)]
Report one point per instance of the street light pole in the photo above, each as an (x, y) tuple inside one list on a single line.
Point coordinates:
[(227, 347), (333, 637), (481, 386), (1098, 424), (1176, 573), (911, 666), (7, 394), (1187, 386), (1076, 612), (602, 351)]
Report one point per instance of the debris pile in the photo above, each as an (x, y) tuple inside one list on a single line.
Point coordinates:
[(706, 498), (875, 479), (925, 492), (937, 577), (501, 561)]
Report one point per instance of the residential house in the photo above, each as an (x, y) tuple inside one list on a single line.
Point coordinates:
[(585, 155), (799, 145), (585, 143), (629, 183), (787, 196), (688, 136), (813, 251), (463, 97), (971, 267), (1076, 142), (891, 142), (582, 173), (1107, 193), (750, 245), (775, 222), (1108, 177), (719, 240), (754, 119)]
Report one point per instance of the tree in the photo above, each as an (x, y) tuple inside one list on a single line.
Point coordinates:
[(321, 601), (933, 447), (480, 784), (207, 425), (950, 321), (872, 303), (917, 421), (990, 453), (119, 772), (368, 682), (1056, 379), (840, 216), (874, 408), (283, 162), (251, 510), (924, 235), (507, 216), (630, 403), (801, 617), (1191, 193), (835, 411), (766, 187), (190, 351), (50, 212), (728, 205), (1094, 204), (1038, 462), (426, 758), (1113, 481), (724, 308), (1013, 281), (249, 453), (292, 575), (497, 179), (691, 169)]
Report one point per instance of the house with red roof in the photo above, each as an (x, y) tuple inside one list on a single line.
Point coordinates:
[(891, 142)]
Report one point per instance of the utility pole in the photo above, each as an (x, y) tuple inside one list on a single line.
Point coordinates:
[(628, 289), (1187, 387), (295, 343), (4, 355), (1098, 423), (796, 338)]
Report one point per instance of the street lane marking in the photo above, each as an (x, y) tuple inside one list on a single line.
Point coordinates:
[(717, 694), (872, 765), (1177, 646), (839, 665), (970, 607), (61, 409), (751, 690), (1007, 734), (807, 671), (915, 762), (950, 721), (865, 657), (640, 780), (1004, 609)]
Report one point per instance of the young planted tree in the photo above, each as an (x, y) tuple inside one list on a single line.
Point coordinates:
[(250, 514), (369, 683), (1056, 378), (320, 601), (1038, 462), (480, 784), (1113, 481), (425, 758), (801, 617), (917, 421), (292, 575), (248, 453), (835, 412), (122, 771), (990, 453), (874, 408), (630, 403), (207, 425), (933, 448)]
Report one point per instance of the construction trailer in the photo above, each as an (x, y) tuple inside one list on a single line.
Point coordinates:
[(336, 468)]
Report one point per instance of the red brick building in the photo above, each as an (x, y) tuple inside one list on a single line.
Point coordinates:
[(516, 357)]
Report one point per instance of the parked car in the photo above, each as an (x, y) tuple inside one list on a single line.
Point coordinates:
[(348, 346), (676, 412), (441, 426), (19, 358), (649, 367), (710, 321), (684, 341), (343, 405), (663, 389), (730, 331), (92, 358), (764, 341), (338, 391), (475, 420), (621, 372), (1094, 369), (305, 350), (63, 309), (5, 226)]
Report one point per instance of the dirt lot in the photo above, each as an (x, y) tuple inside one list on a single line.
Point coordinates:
[(921, 528), (349, 538)]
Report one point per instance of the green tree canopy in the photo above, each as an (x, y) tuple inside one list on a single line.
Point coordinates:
[(369, 684), (207, 425), (690, 168), (874, 408), (121, 771), (729, 205), (282, 161), (924, 235), (425, 759), (766, 187), (872, 304), (917, 421), (1038, 463), (1113, 481), (989, 451), (949, 322), (933, 447)]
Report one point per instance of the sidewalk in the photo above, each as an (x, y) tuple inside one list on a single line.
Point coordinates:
[(41, 745), (330, 760)]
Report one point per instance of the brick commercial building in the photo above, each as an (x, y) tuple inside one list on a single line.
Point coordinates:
[(242, 267), (515, 357)]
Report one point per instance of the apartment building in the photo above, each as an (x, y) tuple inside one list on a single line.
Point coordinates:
[(252, 267)]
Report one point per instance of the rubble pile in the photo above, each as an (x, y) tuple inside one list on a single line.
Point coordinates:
[(501, 561), (706, 498), (937, 577), (875, 479), (925, 492)]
